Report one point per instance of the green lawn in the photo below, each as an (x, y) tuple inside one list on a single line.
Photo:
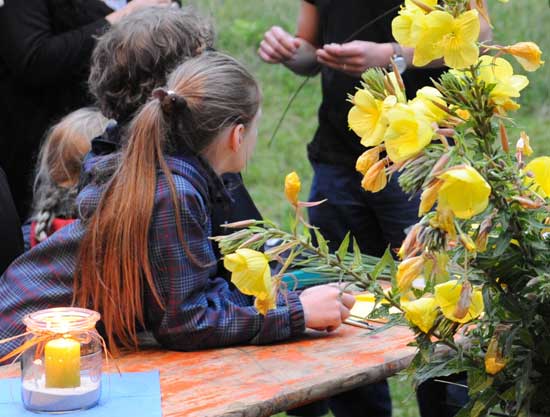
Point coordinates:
[(240, 25)]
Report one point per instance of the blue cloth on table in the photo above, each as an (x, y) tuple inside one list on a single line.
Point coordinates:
[(128, 394)]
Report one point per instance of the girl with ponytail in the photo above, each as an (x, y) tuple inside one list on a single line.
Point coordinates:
[(145, 260)]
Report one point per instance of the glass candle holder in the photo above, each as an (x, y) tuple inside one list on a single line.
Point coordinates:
[(61, 370)]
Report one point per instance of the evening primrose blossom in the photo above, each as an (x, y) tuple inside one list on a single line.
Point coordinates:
[(499, 72), (464, 191), (448, 297), (425, 103), (367, 119), (452, 38), (251, 274), (408, 133), (407, 26), (540, 169), (421, 313)]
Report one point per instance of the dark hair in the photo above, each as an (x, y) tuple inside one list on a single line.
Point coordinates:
[(204, 95), (137, 53)]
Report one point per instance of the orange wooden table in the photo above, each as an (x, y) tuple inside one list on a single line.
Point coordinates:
[(252, 381)]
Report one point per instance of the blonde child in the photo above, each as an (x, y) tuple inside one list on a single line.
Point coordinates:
[(58, 171)]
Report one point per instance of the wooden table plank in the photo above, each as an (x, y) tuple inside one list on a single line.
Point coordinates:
[(255, 381)]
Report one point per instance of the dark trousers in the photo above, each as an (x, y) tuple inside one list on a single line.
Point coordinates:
[(442, 399), (376, 220)]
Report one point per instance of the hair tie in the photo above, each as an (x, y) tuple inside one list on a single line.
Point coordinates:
[(169, 100)]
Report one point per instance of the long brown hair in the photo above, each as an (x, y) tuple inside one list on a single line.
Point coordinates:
[(204, 95)]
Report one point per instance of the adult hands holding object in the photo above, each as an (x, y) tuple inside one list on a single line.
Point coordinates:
[(278, 46), (326, 307), (355, 57)]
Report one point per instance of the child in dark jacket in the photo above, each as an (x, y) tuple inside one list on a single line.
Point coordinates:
[(145, 260), (58, 172)]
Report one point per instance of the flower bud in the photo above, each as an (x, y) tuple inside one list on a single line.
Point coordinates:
[(293, 186), (528, 54), (408, 271), (375, 179)]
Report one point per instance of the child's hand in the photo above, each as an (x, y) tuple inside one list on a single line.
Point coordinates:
[(278, 46), (325, 307)]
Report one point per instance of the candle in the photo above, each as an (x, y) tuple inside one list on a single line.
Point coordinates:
[(62, 363)]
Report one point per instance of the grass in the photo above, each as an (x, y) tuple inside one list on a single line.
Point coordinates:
[(240, 25)]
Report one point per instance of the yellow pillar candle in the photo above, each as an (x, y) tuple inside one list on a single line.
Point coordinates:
[(62, 363)]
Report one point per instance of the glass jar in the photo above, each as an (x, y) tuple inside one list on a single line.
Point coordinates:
[(61, 369)]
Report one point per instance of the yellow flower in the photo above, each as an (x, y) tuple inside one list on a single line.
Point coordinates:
[(498, 71), (464, 191), (444, 220), (454, 39), (540, 168), (408, 133), (422, 312), (264, 305), (423, 104), (292, 188), (467, 242), (407, 26), (523, 144), (463, 114), (375, 179), (367, 159), (408, 271), (528, 54), (448, 298), (251, 275), (366, 117), (428, 197), (494, 361)]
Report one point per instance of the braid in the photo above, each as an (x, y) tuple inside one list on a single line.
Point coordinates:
[(52, 201)]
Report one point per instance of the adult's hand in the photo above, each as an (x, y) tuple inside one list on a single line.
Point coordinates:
[(354, 58), (134, 6), (278, 46), (325, 307)]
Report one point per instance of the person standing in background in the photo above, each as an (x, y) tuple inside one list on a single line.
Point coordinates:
[(340, 39), (11, 239), (45, 47)]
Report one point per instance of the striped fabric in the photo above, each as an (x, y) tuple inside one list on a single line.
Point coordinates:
[(201, 311)]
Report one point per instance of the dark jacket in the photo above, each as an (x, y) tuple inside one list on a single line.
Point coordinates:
[(11, 240), (45, 48), (202, 310), (239, 206)]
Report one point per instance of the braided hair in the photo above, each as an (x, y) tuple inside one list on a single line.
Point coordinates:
[(59, 165)]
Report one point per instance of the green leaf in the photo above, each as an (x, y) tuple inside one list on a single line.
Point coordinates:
[(321, 242), (357, 259), (343, 249), (386, 261)]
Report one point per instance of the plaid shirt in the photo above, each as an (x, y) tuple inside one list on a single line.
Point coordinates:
[(201, 310)]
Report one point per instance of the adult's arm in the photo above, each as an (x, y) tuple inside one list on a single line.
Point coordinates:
[(297, 53), (357, 56), (33, 52)]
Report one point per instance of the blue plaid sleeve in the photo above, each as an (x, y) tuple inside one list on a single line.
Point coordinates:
[(201, 311), (40, 278)]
